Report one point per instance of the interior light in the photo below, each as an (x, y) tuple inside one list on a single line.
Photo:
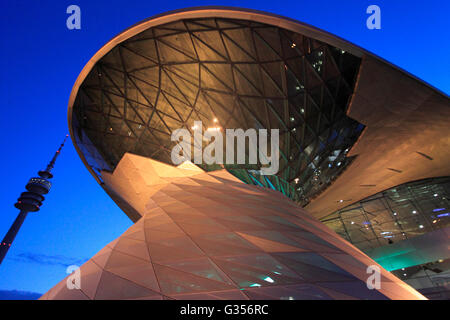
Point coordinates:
[(435, 194), (269, 279), (421, 226), (414, 211)]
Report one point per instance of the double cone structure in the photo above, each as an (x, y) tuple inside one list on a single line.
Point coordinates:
[(350, 125), (207, 235)]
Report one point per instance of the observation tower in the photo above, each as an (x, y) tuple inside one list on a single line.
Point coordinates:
[(30, 201)]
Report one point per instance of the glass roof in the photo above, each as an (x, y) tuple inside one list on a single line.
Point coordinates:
[(430, 279), (228, 73), (396, 214)]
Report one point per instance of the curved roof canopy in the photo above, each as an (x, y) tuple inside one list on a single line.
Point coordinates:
[(228, 68)]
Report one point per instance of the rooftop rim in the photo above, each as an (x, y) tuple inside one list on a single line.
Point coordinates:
[(218, 12)]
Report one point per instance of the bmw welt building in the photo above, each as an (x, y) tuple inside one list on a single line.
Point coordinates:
[(360, 184)]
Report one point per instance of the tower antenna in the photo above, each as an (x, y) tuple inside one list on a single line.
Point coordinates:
[(30, 201)]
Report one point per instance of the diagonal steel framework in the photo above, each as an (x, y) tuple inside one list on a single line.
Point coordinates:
[(246, 75)]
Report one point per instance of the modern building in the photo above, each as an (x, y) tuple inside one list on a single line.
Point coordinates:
[(405, 229), (355, 132)]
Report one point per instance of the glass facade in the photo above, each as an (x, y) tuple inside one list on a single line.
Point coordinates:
[(404, 212), (237, 74), (207, 235), (228, 74), (396, 214), (430, 279)]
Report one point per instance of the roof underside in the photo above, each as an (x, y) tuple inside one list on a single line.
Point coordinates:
[(244, 74)]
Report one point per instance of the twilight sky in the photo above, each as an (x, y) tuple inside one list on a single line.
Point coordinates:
[(40, 60)]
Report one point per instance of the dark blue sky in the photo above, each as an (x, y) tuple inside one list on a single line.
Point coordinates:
[(40, 60)]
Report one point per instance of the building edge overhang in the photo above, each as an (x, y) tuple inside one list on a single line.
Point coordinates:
[(406, 137), (227, 13)]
